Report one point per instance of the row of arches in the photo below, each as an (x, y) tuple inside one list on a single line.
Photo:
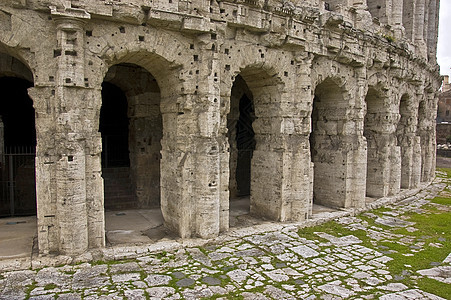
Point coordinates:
[(419, 18), (136, 125)]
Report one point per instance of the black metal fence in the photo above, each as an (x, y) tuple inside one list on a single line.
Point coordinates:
[(18, 181)]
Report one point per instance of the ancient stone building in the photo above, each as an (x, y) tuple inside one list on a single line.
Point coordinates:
[(444, 103), (196, 102), (443, 127)]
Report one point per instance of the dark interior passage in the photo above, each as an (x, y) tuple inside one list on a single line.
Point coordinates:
[(17, 153), (114, 125), (241, 138), (131, 127), (245, 144), (17, 112)]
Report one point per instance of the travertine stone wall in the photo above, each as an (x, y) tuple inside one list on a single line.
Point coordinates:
[(343, 95)]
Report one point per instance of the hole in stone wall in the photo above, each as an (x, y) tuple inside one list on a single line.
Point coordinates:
[(70, 52)]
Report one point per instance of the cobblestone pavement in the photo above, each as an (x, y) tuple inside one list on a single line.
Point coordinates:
[(287, 264)]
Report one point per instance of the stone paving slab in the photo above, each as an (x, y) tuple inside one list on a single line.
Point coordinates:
[(265, 263)]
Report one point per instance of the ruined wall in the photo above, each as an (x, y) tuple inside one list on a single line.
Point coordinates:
[(343, 94)]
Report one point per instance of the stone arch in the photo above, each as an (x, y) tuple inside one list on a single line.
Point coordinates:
[(24, 64), (267, 90), (375, 185), (17, 137), (424, 134), (338, 144), (262, 91), (405, 134), (167, 77), (154, 102), (142, 133), (376, 130), (14, 67), (328, 118)]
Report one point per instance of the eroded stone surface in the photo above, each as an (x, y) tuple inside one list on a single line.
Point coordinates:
[(294, 103)]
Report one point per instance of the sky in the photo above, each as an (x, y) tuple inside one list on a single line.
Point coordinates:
[(444, 38)]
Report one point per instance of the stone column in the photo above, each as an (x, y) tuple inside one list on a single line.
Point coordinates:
[(409, 17), (432, 32), (190, 150), (409, 149), (395, 168), (44, 103), (426, 132), (407, 159), (397, 6), (416, 163), (210, 213), (396, 18), (70, 216), (419, 24)]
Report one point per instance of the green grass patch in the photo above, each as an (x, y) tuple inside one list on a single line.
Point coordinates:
[(433, 235), (29, 289), (446, 172), (442, 200), (335, 229), (435, 287), (50, 286)]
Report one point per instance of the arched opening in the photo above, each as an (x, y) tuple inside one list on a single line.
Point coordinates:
[(114, 123), (403, 136), (17, 140), (131, 128), (256, 159), (326, 145), (241, 137), (17, 159), (426, 140), (378, 169)]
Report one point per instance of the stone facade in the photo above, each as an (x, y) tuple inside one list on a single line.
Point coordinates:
[(444, 102), (294, 103)]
